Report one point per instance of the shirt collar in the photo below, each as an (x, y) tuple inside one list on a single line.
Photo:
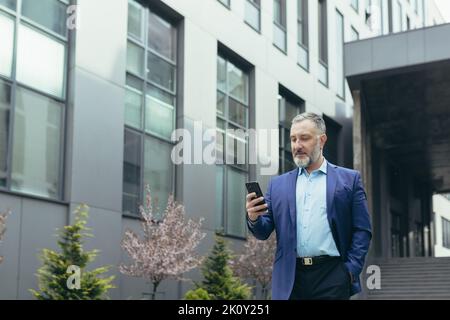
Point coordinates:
[(322, 168)]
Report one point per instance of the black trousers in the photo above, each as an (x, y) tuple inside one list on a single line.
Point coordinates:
[(328, 280)]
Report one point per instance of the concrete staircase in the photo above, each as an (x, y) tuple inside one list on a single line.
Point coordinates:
[(413, 279)]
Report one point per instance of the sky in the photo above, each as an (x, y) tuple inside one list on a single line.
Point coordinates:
[(444, 7)]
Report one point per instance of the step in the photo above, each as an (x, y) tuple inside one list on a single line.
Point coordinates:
[(407, 292), (388, 297)]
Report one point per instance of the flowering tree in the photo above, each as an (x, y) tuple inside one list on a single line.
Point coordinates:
[(2, 228), (256, 262), (167, 248)]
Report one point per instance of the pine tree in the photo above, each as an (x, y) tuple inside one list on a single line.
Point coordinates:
[(219, 282), (53, 277)]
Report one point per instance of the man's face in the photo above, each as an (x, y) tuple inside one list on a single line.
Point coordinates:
[(306, 143)]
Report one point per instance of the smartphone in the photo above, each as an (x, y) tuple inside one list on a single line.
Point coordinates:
[(254, 187)]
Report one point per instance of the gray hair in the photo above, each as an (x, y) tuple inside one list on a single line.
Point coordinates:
[(316, 119)]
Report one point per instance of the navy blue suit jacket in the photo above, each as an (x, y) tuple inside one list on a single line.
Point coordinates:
[(348, 217)]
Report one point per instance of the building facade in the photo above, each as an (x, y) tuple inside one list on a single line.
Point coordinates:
[(87, 113)]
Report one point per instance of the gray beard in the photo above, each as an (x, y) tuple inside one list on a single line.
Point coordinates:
[(306, 162)]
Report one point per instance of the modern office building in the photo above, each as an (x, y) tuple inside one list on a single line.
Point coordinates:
[(87, 113)]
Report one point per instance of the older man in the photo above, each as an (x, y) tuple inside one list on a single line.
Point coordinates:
[(320, 216)]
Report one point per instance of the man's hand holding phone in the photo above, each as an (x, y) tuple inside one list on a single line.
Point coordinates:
[(255, 205)]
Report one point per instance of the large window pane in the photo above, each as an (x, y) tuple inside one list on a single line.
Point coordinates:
[(135, 16), (133, 102), (220, 141), (237, 83), (161, 72), (131, 172), (158, 171), (162, 36), (252, 13), (278, 8), (340, 84), (48, 13), (219, 197), (5, 102), (221, 104), (37, 145), (11, 4), (135, 59), (236, 145), (302, 57), (133, 108), (279, 38), (221, 74), (237, 112), (40, 61), (6, 45), (323, 74), (159, 112), (236, 202)]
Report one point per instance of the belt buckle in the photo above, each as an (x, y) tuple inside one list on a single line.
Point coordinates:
[(307, 261)]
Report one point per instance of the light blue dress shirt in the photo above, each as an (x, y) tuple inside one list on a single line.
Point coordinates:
[(314, 237)]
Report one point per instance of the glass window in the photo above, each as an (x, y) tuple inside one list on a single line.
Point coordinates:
[(340, 81), (159, 112), (132, 172), (221, 104), (37, 145), (11, 4), (302, 20), (355, 4), (158, 171), (278, 12), (51, 14), (161, 72), (236, 146), (40, 61), (135, 59), (279, 28), (135, 18), (6, 45), (150, 101), (220, 141), (162, 37), (252, 13), (221, 75), (279, 38), (236, 202), (231, 144), (237, 112), (323, 33), (219, 198), (5, 103), (237, 83), (445, 233), (133, 108)]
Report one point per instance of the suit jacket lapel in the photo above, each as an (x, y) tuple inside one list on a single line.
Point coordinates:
[(331, 188), (292, 186)]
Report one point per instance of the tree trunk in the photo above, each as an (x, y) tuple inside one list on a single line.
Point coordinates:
[(155, 286)]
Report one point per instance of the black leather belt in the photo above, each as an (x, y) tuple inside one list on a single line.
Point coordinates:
[(310, 261)]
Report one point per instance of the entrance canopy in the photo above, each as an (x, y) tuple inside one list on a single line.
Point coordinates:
[(402, 82)]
